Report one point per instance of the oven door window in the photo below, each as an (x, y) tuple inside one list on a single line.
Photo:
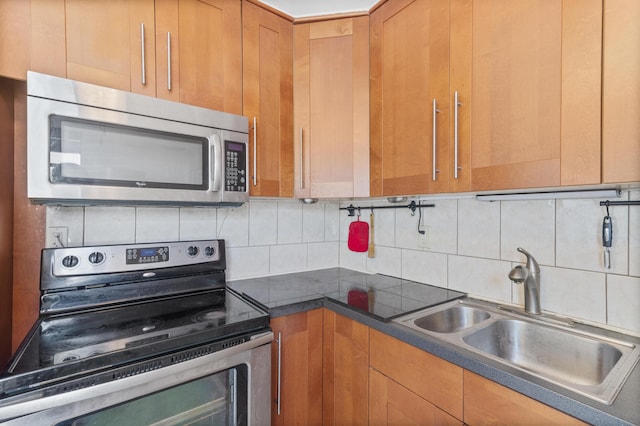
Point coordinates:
[(95, 153), (219, 399)]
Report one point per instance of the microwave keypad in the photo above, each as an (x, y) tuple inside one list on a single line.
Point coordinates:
[(236, 173)]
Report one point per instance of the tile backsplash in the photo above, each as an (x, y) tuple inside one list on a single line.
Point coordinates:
[(471, 245), (263, 237), (472, 248)]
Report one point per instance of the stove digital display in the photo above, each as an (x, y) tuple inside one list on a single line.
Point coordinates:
[(147, 255)]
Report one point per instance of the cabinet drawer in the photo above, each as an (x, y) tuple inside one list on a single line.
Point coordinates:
[(428, 376)]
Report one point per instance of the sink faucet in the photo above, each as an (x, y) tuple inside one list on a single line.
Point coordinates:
[(530, 276)]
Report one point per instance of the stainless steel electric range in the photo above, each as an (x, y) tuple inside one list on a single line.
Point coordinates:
[(140, 334)]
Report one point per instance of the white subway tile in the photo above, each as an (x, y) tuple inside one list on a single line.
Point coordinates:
[(233, 225), (109, 225), (425, 267), (387, 261), (479, 228), (384, 227), (247, 262), (288, 258), (574, 293), (483, 278), (289, 222), (71, 218), (579, 236), (530, 225), (263, 223), (323, 255), (352, 260), (443, 222), (623, 302), (155, 224), (313, 222), (197, 223), (406, 229), (332, 222)]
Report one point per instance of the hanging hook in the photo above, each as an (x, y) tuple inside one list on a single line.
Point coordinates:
[(358, 212), (607, 205), (351, 210)]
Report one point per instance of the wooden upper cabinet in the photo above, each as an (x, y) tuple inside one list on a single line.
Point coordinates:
[(112, 44), (621, 92), (297, 350), (202, 40), (410, 102), (267, 64), (535, 103), (331, 108)]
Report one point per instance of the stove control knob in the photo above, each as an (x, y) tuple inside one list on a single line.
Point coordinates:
[(96, 258), (192, 251), (209, 251), (70, 261)]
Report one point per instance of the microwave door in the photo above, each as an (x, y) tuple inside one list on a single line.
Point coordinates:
[(90, 152)]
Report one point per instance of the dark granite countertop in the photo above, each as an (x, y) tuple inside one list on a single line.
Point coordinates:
[(380, 296), (376, 299)]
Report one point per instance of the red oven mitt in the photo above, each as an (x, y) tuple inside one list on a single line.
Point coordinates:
[(358, 236)]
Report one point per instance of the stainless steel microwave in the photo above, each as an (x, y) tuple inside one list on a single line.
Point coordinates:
[(94, 145)]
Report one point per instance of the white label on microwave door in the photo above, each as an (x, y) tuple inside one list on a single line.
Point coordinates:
[(64, 158)]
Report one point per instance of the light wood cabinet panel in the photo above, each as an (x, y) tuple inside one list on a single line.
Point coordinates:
[(104, 42), (621, 92), (267, 63), (331, 116), (431, 378), (206, 53), (300, 339), (518, 129), (346, 366), (32, 37), (488, 403), (409, 71), (393, 404)]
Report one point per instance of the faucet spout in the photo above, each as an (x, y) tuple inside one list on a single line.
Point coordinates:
[(528, 275)]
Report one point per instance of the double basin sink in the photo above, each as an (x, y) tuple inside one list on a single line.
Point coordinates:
[(586, 360)]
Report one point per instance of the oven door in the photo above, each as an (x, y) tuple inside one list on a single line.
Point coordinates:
[(229, 387)]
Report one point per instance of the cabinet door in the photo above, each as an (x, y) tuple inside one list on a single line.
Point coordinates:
[(409, 72), (431, 378), (621, 92), (392, 404), (331, 100), (112, 44), (205, 39), (267, 63), (535, 93), (486, 402), (346, 366), (298, 352)]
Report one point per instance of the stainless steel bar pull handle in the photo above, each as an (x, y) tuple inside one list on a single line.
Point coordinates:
[(456, 104), (255, 152), (434, 143), (279, 340), (168, 61), (301, 160), (144, 67)]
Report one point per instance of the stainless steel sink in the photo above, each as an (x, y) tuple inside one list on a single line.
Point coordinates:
[(452, 319), (587, 360)]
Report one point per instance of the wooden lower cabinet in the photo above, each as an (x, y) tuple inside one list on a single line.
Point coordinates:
[(346, 370), (299, 337), (488, 403), (431, 378), (393, 404)]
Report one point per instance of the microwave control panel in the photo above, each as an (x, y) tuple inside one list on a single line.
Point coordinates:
[(235, 166)]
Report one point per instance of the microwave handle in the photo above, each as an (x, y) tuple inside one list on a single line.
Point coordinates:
[(217, 162)]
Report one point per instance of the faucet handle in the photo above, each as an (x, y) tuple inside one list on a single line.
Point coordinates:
[(532, 264)]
